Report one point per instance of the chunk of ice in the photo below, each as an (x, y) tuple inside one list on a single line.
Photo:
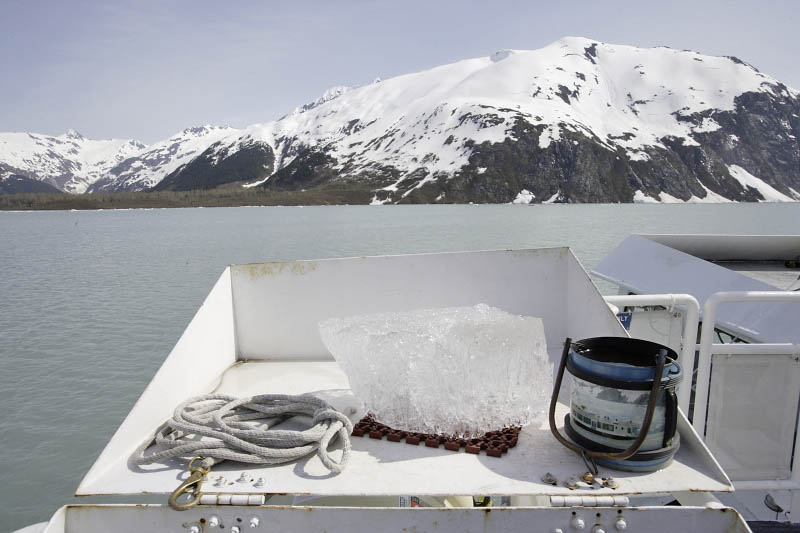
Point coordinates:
[(457, 370)]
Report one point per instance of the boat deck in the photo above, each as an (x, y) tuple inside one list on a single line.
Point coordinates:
[(381, 468), (774, 273)]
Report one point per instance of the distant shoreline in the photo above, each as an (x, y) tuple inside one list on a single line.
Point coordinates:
[(331, 196), (225, 197)]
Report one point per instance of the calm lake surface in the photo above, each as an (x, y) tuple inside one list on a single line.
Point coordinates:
[(91, 302)]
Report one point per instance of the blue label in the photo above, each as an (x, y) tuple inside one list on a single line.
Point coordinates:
[(625, 319)]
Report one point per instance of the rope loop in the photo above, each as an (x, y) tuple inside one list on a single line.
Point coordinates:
[(220, 427)]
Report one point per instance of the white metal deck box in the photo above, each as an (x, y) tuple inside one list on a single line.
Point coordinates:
[(256, 333)]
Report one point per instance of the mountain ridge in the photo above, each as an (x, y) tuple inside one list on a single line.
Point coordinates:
[(575, 121)]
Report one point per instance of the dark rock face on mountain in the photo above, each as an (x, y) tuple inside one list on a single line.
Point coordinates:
[(14, 184), (578, 168), (572, 169), (308, 169), (220, 165)]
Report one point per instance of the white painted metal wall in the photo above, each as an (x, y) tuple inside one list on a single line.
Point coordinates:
[(278, 306), (158, 519)]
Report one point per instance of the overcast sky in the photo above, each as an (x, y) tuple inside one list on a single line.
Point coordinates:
[(146, 70)]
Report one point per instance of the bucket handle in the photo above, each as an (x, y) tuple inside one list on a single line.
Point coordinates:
[(648, 415)]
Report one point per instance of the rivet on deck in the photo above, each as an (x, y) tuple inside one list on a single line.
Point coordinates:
[(550, 479), (610, 482)]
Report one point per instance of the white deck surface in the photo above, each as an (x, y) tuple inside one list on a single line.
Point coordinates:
[(770, 272), (384, 468)]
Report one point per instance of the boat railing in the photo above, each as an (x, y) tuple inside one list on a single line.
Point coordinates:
[(707, 347), (688, 336), (785, 361), (747, 410)]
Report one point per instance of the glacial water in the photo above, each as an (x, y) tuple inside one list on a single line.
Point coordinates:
[(92, 302)]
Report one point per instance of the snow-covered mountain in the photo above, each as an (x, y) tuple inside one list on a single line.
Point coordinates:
[(150, 165), (576, 121), (69, 162)]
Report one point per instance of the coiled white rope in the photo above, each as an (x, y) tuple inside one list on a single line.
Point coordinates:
[(226, 425)]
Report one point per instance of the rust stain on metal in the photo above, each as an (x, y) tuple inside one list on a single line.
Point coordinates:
[(259, 270)]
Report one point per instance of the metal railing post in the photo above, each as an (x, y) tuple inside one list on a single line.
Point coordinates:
[(689, 334)]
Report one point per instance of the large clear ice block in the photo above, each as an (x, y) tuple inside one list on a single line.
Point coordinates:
[(457, 370)]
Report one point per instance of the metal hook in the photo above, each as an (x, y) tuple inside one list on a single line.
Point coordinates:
[(197, 475)]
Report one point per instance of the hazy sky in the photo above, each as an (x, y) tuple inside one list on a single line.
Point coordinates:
[(146, 70)]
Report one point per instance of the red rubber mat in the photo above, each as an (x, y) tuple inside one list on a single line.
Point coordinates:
[(494, 443)]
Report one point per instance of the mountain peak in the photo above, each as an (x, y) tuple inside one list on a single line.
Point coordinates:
[(73, 134), (576, 41), (333, 92), (199, 131), (501, 55)]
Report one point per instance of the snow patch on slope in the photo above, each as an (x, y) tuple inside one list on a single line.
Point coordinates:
[(669, 199), (553, 199), (641, 198), (769, 193), (524, 197), (710, 198)]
